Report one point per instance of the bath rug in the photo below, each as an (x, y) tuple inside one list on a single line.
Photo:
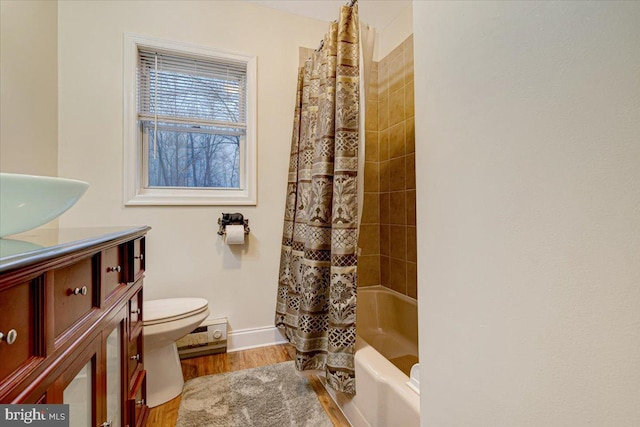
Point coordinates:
[(268, 396)]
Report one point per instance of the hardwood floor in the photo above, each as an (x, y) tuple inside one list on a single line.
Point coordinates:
[(167, 414)]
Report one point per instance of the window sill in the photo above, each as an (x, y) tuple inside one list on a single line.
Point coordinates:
[(186, 197)]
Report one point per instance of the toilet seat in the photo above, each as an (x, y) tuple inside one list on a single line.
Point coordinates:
[(172, 309)]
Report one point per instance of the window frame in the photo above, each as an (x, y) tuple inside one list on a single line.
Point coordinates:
[(134, 192)]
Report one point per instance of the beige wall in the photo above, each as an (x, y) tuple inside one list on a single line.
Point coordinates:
[(185, 256), (29, 87), (528, 150), (396, 32)]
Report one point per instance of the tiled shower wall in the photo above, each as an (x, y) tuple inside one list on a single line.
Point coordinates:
[(388, 228)]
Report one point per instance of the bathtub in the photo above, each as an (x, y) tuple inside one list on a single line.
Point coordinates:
[(387, 328)]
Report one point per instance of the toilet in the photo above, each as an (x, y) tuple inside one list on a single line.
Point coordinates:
[(165, 321)]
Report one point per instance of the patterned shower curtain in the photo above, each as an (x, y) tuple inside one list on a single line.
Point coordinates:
[(316, 302)]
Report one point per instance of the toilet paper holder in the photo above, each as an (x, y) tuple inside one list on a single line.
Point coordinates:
[(232, 219)]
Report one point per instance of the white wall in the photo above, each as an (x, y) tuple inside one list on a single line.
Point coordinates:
[(29, 87), (185, 256), (528, 153)]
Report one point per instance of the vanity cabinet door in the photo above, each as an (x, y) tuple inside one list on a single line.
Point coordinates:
[(114, 373), (77, 386), (94, 383), (78, 395)]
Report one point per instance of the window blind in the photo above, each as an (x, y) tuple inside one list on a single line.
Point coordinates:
[(188, 90)]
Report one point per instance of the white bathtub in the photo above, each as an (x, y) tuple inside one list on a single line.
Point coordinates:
[(387, 327)]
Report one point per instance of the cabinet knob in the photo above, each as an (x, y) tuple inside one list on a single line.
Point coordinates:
[(80, 291), (136, 311), (136, 357), (141, 257), (116, 269), (10, 338), (106, 424), (140, 402)]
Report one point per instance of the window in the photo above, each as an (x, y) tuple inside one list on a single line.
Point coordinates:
[(189, 125)]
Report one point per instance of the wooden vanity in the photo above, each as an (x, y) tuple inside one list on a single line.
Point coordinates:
[(71, 323)]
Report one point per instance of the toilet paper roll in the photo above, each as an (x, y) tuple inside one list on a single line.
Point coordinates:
[(234, 235)]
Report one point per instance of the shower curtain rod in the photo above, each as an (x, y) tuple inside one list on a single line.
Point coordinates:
[(350, 4)]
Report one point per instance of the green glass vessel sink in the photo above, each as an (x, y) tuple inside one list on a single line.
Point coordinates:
[(28, 201)]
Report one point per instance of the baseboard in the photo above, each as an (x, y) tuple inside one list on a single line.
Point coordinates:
[(245, 339)]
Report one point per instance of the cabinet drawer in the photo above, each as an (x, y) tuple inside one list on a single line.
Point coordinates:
[(112, 269), (137, 404), (134, 356), (135, 313), (138, 257), (73, 293), (17, 325)]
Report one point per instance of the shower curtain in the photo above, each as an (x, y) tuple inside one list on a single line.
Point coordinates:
[(316, 301)]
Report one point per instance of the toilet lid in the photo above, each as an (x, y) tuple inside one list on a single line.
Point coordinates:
[(170, 309)]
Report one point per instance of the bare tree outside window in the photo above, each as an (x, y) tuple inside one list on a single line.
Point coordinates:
[(193, 128), (193, 159)]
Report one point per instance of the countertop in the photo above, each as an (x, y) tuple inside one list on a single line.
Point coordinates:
[(40, 245)]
